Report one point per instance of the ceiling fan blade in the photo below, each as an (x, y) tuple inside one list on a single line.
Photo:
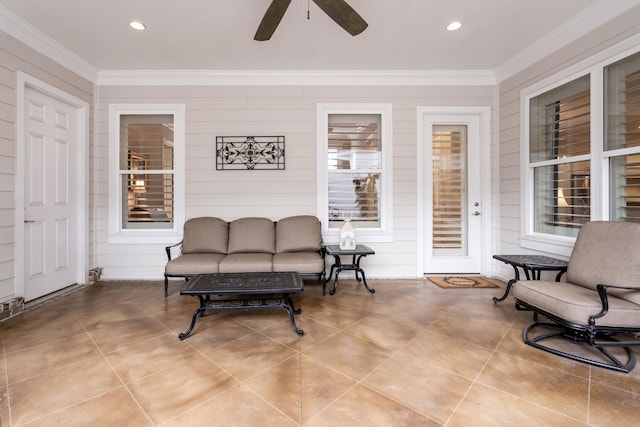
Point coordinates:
[(344, 15), (271, 19)]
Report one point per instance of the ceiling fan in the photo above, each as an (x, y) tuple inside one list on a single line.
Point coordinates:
[(338, 10)]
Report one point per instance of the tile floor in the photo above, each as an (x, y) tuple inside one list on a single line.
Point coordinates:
[(411, 354)]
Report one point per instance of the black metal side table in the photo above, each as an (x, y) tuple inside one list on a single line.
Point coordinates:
[(358, 253), (533, 264)]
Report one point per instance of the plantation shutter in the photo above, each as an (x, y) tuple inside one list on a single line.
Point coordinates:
[(354, 169), (147, 170), (623, 132), (449, 188), (560, 132)]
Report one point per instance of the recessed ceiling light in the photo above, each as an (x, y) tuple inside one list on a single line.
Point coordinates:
[(454, 26), (137, 25)]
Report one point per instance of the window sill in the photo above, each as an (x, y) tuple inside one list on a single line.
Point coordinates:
[(553, 245), (332, 237), (144, 237)]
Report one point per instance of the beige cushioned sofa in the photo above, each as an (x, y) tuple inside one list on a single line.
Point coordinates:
[(213, 245)]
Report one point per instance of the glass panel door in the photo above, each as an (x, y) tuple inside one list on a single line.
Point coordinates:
[(449, 154), (454, 232)]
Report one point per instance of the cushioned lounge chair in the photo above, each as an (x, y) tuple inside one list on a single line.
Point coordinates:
[(598, 305)]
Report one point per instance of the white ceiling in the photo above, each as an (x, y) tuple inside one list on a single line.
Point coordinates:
[(218, 34)]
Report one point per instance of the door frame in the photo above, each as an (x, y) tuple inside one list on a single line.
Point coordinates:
[(25, 81), (484, 115)]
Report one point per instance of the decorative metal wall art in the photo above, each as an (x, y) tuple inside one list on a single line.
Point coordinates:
[(250, 152)]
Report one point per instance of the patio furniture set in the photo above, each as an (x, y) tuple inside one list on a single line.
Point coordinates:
[(256, 264)]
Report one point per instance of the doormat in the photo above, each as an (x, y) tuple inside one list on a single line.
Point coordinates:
[(449, 282)]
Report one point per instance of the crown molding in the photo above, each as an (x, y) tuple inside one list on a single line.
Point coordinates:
[(288, 78), (579, 26), (21, 30)]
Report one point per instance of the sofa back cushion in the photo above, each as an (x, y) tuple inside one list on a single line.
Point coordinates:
[(252, 235), (205, 235), (607, 252), (298, 234)]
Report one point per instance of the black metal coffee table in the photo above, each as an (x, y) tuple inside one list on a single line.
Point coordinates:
[(254, 291)]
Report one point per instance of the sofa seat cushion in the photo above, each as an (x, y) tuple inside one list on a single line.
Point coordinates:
[(252, 235), (246, 262), (205, 235), (302, 262), (192, 264), (575, 303), (298, 234)]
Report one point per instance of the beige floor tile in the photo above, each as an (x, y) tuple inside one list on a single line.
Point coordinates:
[(361, 406), (388, 332), (484, 406), (629, 382), (449, 353), (250, 355), (237, 407), (281, 387), (39, 396), (477, 330), (114, 408), (314, 332), (302, 390), (112, 335), (41, 359), (553, 388), (3, 367), (425, 388), (31, 334), (613, 407), (349, 355), (150, 356), (166, 394), (4, 406)]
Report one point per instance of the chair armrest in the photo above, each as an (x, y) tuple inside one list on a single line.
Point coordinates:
[(168, 249), (602, 292)]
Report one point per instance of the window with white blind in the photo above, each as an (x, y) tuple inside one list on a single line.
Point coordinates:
[(581, 137), (354, 169), (622, 137), (354, 152), (147, 143), (559, 153)]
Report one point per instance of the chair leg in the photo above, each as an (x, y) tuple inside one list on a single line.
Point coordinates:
[(166, 286)]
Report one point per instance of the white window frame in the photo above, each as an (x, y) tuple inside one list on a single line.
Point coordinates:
[(384, 233), (594, 67), (118, 234)]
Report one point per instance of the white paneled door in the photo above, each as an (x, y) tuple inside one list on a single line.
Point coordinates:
[(50, 195), (454, 201)]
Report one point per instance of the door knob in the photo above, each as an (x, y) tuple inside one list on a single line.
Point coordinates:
[(476, 213)]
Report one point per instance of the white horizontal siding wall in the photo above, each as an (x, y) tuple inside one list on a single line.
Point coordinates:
[(604, 37), (15, 56), (273, 110)]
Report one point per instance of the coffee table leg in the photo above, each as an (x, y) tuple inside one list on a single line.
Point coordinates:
[(288, 305), (199, 312)]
